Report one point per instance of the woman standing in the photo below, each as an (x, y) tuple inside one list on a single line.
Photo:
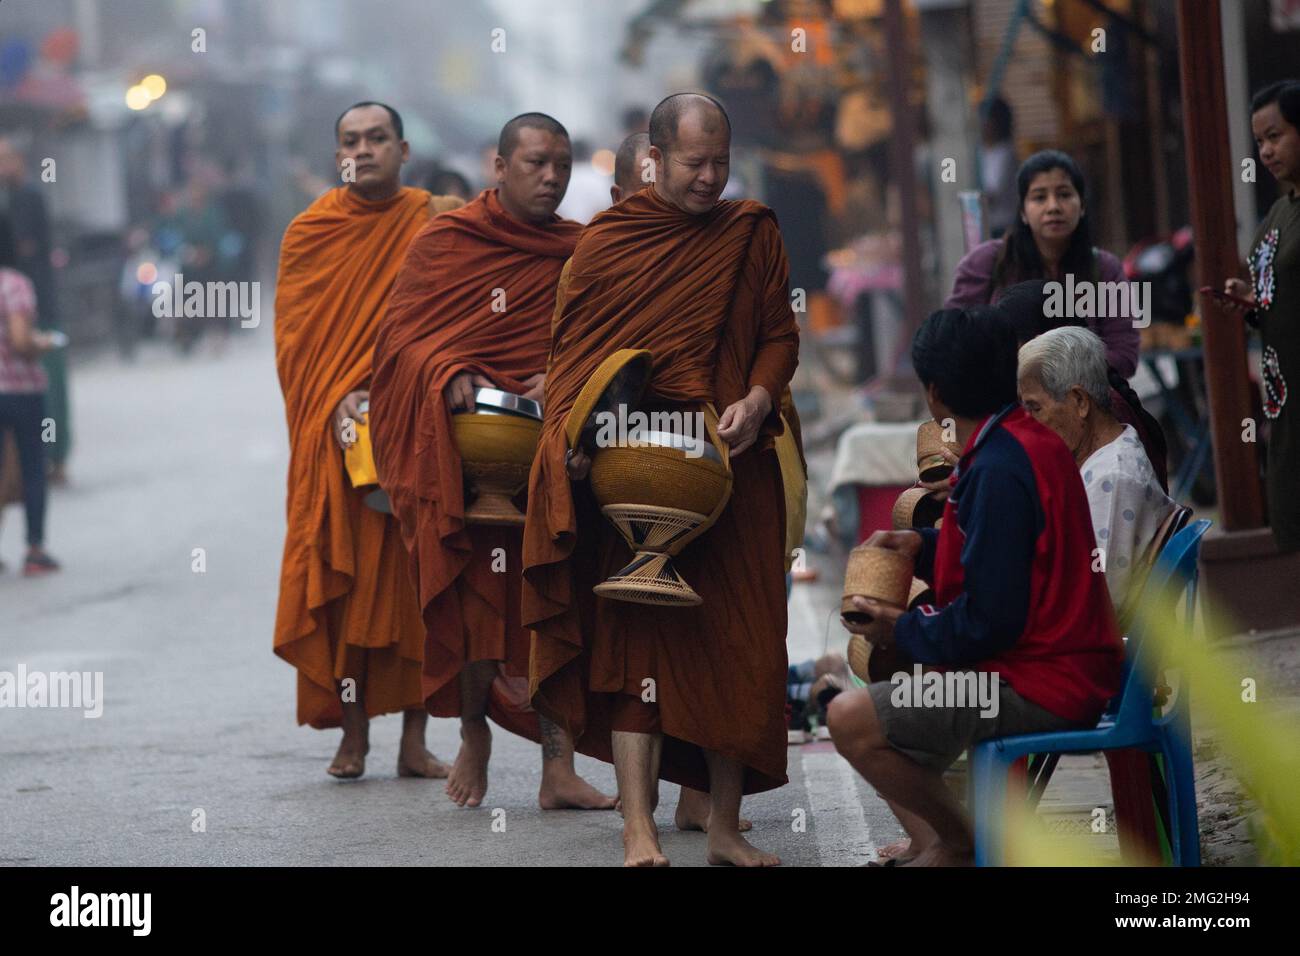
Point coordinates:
[(1052, 238), (1274, 295), (22, 394)]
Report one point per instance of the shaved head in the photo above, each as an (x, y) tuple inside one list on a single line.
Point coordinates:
[(667, 117), (630, 161), (394, 117), (509, 138)]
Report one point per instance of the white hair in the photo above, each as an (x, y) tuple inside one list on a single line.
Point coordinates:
[(1064, 358)]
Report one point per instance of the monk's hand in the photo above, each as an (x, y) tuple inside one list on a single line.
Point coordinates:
[(942, 488), (577, 463), (346, 417), (739, 423), (536, 387), (459, 393), (905, 542)]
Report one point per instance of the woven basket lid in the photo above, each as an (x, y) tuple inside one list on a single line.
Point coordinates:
[(879, 573), (619, 380)]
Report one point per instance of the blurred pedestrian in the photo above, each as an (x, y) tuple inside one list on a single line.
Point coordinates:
[(1052, 240), (22, 393), (1274, 293), (998, 167), (588, 187), (25, 204), (445, 181)]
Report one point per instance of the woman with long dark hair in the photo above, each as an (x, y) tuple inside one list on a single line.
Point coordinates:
[(1274, 293), (22, 393), (1052, 239)]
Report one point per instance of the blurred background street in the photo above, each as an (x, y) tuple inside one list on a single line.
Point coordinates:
[(147, 139)]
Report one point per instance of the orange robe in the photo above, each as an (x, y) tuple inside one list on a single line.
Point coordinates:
[(475, 294), (344, 585), (708, 296)]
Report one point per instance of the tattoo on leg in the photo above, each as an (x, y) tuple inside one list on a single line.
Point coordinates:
[(552, 739)]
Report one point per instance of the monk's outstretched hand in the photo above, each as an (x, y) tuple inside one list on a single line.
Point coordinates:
[(739, 422), (459, 393), (347, 415)]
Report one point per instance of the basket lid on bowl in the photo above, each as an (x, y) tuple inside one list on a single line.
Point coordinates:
[(493, 401), (619, 380)]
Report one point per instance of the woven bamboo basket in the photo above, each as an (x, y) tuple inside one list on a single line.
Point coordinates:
[(916, 508), (496, 453), (880, 633), (879, 573), (859, 656), (659, 499), (929, 447)]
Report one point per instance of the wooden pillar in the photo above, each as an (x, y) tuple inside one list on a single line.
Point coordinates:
[(1210, 168), (903, 166)]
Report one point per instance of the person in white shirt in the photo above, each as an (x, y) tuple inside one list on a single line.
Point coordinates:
[(1063, 384)]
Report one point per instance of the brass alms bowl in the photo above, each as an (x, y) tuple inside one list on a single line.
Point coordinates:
[(497, 443)]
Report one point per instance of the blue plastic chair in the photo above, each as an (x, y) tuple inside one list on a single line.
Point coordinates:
[(1128, 722)]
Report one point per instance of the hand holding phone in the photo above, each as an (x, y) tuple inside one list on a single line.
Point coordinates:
[(1234, 299)]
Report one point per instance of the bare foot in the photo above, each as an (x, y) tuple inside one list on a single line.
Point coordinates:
[(641, 845), (942, 855), (467, 783), (350, 760), (896, 851), (734, 849), (568, 791), (693, 812), (414, 760)]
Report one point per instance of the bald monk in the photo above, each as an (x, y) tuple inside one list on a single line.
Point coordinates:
[(472, 307), (348, 618), (703, 284), (633, 171)]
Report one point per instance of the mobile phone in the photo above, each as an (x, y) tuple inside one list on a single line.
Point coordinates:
[(1225, 298), (58, 340)]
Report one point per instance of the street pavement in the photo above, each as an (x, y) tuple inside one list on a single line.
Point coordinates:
[(175, 455)]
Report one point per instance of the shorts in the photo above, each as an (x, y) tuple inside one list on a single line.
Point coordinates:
[(936, 734)]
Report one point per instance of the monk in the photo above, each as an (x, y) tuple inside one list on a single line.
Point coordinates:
[(472, 307), (633, 171), (348, 618), (703, 285)]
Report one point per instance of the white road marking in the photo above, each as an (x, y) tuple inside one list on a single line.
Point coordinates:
[(839, 821)]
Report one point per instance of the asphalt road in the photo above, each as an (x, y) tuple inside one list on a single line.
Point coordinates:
[(175, 455)]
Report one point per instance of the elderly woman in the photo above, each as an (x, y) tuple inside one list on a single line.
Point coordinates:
[(1063, 384)]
